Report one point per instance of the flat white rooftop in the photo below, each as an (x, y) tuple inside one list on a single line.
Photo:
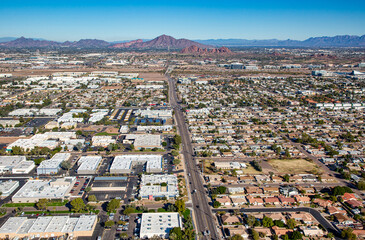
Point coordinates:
[(126, 162), (159, 224), (56, 224), (50, 189), (89, 163)]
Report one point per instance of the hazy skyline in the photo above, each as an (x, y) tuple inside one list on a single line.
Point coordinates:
[(127, 20)]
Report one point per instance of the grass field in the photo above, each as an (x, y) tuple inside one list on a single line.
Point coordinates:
[(250, 170), (294, 166)]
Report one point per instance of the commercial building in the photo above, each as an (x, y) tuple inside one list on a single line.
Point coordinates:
[(15, 164), (153, 186), (49, 139), (144, 140), (52, 166), (148, 113), (8, 187), (33, 190), (35, 112), (48, 227), (102, 141), (236, 66), (159, 224), (229, 165), (124, 163), (88, 164)]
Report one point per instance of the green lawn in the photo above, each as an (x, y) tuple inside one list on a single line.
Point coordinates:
[(49, 204), (106, 134)]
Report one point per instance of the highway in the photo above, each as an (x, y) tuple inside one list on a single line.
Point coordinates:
[(204, 219)]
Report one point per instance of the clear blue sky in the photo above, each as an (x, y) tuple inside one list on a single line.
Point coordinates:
[(194, 19)]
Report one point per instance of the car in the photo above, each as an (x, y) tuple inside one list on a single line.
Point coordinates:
[(194, 191)]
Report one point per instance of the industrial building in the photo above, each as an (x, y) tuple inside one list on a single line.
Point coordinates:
[(8, 187), (52, 166), (49, 139), (15, 164), (124, 163), (88, 164), (159, 224), (33, 190), (102, 141), (148, 113), (229, 165), (153, 186), (143, 140), (35, 112), (48, 227)]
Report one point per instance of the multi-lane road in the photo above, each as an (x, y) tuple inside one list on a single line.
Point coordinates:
[(203, 216)]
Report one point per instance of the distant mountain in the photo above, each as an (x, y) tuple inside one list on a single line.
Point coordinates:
[(127, 44), (168, 42), (194, 49), (336, 41), (160, 42), (86, 43)]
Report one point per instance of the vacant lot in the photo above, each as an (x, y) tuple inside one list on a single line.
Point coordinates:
[(294, 166)]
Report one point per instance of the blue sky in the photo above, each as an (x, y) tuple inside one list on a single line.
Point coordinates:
[(200, 19)]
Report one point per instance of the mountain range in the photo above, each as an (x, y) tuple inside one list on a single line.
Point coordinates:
[(336, 41), (168, 42)]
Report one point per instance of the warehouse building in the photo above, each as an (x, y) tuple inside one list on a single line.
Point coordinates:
[(52, 166), (88, 164), (33, 190), (153, 186), (124, 163), (159, 224), (15, 164), (229, 165), (49, 139), (48, 227), (8, 187), (103, 141), (143, 140), (148, 113)]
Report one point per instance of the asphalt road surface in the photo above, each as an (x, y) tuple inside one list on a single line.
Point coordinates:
[(204, 219)]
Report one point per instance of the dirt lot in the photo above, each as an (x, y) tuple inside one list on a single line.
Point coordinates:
[(294, 166), (152, 76)]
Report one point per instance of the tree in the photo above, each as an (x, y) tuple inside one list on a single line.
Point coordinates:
[(77, 205), (113, 205), (91, 198), (66, 165), (176, 161), (88, 189), (124, 235), (180, 205), (347, 233), (236, 237), (250, 220), (296, 235), (285, 237), (255, 235), (330, 235), (129, 210), (339, 190), (267, 222), (361, 185), (175, 153), (291, 223), (286, 178), (42, 204), (176, 233), (109, 224), (216, 204)]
